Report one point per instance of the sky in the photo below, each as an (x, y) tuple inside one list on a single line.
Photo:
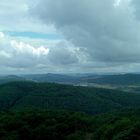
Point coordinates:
[(69, 36)]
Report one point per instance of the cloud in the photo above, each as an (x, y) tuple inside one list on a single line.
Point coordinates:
[(15, 53), (105, 31), (63, 54), (98, 35), (136, 5), (21, 48), (117, 3), (1, 35), (14, 16), (18, 55)]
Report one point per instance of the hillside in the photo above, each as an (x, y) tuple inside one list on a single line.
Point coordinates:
[(64, 125), (11, 78), (121, 79), (53, 78), (55, 96), (118, 79)]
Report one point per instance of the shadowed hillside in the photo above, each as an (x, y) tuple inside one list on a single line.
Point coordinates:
[(55, 96), (121, 79)]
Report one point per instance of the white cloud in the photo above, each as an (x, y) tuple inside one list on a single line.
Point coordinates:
[(22, 47), (24, 57), (15, 53), (4, 54), (14, 16), (117, 3), (1, 35)]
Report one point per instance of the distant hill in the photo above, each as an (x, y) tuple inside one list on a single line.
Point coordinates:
[(10, 78), (121, 79), (79, 79), (55, 96), (53, 78)]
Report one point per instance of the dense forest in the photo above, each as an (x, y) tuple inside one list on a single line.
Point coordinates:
[(61, 125), (49, 111), (74, 98)]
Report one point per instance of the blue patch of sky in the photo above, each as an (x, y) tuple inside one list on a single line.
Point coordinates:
[(35, 35)]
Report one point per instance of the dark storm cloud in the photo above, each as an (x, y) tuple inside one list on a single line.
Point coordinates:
[(61, 55), (103, 30), (136, 5)]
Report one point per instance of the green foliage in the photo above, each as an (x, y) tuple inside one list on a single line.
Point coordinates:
[(41, 125), (19, 95), (18, 122), (62, 125)]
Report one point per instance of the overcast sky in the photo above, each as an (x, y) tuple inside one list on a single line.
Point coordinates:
[(69, 36)]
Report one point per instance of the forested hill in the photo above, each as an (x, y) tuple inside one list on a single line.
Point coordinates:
[(120, 79), (11, 78), (54, 96), (116, 79)]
